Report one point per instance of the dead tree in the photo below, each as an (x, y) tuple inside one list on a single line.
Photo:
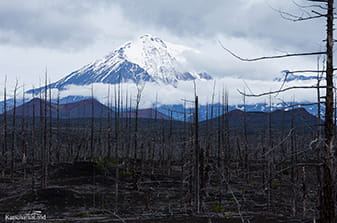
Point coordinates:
[(92, 149), (109, 125), (327, 195), (33, 142), (50, 135), (117, 140), (58, 127), (140, 88), (44, 146), (4, 147), (245, 135), (13, 147), (196, 159), (92, 124), (23, 135)]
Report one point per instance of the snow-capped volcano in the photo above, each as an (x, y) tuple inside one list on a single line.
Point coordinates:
[(158, 58), (146, 59)]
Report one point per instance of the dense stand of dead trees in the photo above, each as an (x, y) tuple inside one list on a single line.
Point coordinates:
[(213, 159), (327, 172)]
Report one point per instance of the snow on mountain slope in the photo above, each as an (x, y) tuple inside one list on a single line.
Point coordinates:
[(146, 59), (161, 60)]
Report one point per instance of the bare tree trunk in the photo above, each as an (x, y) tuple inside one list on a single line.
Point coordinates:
[(327, 194), (109, 125), (45, 149), (4, 148), (140, 89), (92, 125), (270, 158), (92, 149), (58, 152), (50, 137), (23, 136), (293, 172), (304, 192), (33, 143), (196, 157), (246, 164), (117, 119), (13, 148)]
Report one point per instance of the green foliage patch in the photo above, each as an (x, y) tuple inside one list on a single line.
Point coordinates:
[(217, 208), (106, 163)]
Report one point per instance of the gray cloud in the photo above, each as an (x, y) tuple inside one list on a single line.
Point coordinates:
[(238, 19), (70, 33), (52, 24), (65, 23)]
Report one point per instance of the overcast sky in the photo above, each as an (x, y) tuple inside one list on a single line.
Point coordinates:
[(64, 35)]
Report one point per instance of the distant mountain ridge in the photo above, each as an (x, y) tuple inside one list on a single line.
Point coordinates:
[(281, 120), (205, 110), (79, 109), (255, 121)]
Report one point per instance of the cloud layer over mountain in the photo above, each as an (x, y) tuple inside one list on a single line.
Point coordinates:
[(63, 35)]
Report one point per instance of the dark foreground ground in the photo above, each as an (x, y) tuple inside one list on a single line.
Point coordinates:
[(85, 192)]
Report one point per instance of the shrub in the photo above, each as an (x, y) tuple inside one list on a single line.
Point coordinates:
[(275, 186), (228, 214), (217, 208), (106, 163)]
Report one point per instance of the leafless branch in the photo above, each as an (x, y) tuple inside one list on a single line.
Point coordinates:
[(289, 72), (298, 165), (190, 101), (297, 18), (309, 6), (318, 13), (305, 71), (270, 57), (282, 141), (247, 87), (278, 91), (317, 0)]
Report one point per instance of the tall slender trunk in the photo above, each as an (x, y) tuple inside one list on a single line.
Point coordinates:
[(270, 157), (196, 166), (23, 138), (246, 164), (109, 125), (327, 193), (13, 148), (45, 133), (92, 125), (92, 152), (58, 152), (50, 137), (33, 142), (4, 149), (117, 116)]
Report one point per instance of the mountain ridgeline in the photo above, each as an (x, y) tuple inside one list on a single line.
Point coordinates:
[(257, 122), (86, 108), (236, 120)]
